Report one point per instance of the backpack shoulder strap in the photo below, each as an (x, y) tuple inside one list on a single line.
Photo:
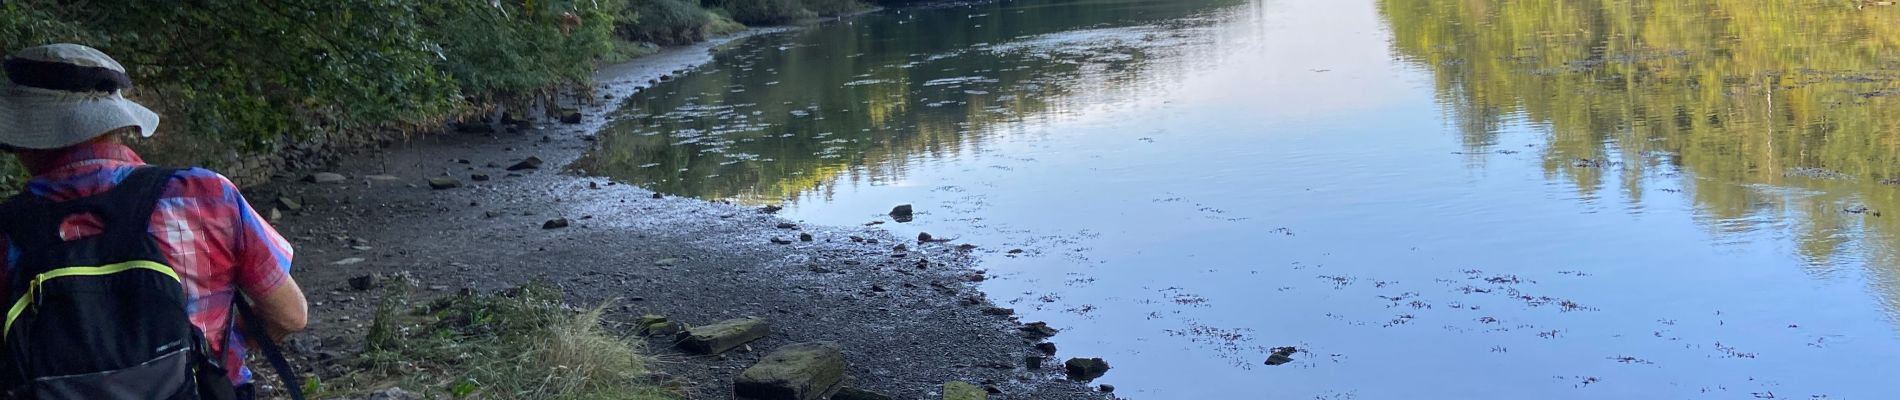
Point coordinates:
[(132, 203), (254, 326)]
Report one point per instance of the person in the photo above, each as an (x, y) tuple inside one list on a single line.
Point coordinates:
[(62, 115)]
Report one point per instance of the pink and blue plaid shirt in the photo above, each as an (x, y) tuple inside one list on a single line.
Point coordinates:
[(209, 234)]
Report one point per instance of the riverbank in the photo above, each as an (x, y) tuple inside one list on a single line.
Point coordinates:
[(906, 314)]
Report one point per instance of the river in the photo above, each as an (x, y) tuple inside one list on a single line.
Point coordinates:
[(1480, 199)]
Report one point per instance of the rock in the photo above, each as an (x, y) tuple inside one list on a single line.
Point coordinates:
[(365, 282), (999, 311), (393, 394), (348, 261), (780, 241), (1015, 251), (804, 371), (382, 177), (1034, 361), (556, 223), (923, 237), (858, 394), (960, 390), (770, 208), (474, 127), (1046, 348), (901, 213), (804, 237), (325, 177), (531, 162), (1282, 355), (1037, 330), (787, 225), (722, 336), (668, 262), (288, 204), (441, 183), (1086, 369), (478, 177), (1107, 388), (659, 196), (570, 116), (657, 325)]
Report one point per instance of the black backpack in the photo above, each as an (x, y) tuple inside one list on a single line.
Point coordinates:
[(103, 317)]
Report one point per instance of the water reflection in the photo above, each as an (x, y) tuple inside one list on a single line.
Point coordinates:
[(1769, 115), (1429, 199), (863, 102)]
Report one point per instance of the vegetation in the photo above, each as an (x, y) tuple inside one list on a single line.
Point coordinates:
[(253, 78), (520, 345)]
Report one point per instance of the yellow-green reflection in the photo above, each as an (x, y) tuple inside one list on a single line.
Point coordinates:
[(1763, 112)]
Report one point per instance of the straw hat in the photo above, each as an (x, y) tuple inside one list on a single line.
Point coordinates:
[(60, 95)]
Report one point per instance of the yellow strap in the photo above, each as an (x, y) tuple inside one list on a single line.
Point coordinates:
[(27, 298)]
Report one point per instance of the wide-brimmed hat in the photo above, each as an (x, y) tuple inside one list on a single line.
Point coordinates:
[(60, 95)]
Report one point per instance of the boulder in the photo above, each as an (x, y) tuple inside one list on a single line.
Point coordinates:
[(531, 162), (901, 213), (325, 177), (1107, 388), (570, 116), (288, 204), (858, 394), (960, 390), (441, 183), (1037, 330), (365, 282), (722, 336), (1046, 348), (804, 237), (556, 223), (804, 371), (1086, 369), (924, 237)]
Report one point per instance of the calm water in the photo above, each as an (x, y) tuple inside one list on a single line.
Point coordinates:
[(1481, 199)]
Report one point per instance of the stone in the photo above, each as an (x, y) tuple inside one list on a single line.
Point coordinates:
[(770, 208), (851, 393), (1034, 361), (1106, 388), (804, 371), (478, 177), (1046, 348), (923, 237), (901, 213), (657, 325), (781, 241), (288, 204), (556, 223), (393, 394), (1282, 355), (659, 196), (1085, 369), (999, 311), (384, 178), (719, 337), (531, 162), (960, 390), (668, 262), (365, 282), (570, 116), (804, 237), (1037, 330), (787, 225), (325, 177), (441, 183)]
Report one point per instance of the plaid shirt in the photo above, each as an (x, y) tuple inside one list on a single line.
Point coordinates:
[(209, 234)]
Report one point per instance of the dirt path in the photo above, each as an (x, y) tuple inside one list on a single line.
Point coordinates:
[(907, 319)]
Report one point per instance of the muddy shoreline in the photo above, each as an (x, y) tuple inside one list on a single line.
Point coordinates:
[(909, 319)]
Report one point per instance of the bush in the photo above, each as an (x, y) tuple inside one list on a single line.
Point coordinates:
[(665, 22)]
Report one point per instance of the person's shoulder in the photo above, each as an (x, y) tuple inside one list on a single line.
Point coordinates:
[(198, 182)]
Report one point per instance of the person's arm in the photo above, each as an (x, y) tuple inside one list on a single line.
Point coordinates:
[(283, 310), (262, 272)]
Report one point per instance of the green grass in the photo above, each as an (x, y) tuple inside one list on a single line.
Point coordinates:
[(523, 345)]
